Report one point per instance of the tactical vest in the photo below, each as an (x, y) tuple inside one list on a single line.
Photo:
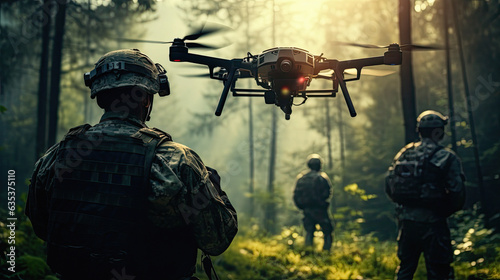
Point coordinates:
[(99, 195), (415, 181)]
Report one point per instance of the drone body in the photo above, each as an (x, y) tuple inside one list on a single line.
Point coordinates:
[(285, 63)]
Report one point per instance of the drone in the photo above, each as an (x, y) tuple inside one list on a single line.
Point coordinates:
[(283, 73)]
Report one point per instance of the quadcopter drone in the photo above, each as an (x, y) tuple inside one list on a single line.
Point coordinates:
[(283, 73)]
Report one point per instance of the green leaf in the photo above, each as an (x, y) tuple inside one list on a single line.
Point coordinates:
[(2, 109)]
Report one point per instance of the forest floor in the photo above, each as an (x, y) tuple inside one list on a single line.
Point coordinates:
[(253, 256)]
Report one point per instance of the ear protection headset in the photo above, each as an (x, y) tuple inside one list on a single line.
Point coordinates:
[(164, 88)]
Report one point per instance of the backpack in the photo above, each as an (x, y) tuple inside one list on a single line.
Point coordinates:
[(416, 182), (304, 194)]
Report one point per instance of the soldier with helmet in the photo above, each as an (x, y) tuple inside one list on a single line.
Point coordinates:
[(426, 181), (312, 195), (120, 200)]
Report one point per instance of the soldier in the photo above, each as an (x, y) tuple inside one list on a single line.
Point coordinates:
[(119, 200), (427, 182), (312, 196)]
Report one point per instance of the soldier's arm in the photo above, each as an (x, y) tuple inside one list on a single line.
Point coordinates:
[(38, 198), (326, 187), (455, 182), (210, 213), (198, 203)]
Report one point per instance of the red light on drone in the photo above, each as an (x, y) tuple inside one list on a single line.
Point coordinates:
[(302, 80), (177, 60)]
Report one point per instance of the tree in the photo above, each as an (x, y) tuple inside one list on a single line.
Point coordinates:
[(407, 84)]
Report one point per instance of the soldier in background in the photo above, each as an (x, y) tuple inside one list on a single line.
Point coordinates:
[(312, 195), (119, 200), (427, 182)]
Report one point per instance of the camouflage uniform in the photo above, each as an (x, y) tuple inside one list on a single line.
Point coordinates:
[(183, 212), (316, 212), (424, 229)]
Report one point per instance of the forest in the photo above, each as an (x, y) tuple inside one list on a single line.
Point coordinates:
[(47, 46)]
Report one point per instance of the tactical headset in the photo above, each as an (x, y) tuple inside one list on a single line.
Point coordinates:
[(91, 76)]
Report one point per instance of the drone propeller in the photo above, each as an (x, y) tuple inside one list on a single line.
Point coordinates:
[(369, 72), (189, 44), (202, 31), (142, 41), (408, 47), (205, 75), (326, 77), (351, 71)]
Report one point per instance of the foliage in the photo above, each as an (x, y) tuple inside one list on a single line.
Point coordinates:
[(476, 246), (30, 250)]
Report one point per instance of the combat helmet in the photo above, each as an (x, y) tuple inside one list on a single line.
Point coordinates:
[(314, 162), (431, 119), (127, 68)]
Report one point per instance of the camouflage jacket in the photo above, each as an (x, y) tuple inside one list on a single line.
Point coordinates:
[(445, 160), (181, 194)]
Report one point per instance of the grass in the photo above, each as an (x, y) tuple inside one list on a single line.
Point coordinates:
[(255, 256)]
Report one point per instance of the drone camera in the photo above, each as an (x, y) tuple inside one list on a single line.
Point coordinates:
[(286, 65)]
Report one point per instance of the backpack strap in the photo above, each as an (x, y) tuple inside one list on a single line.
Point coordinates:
[(437, 149), (152, 138), (427, 159)]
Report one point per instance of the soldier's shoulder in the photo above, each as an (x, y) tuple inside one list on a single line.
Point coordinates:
[(407, 148), (176, 147), (180, 154), (156, 133), (324, 175), (304, 173), (78, 129)]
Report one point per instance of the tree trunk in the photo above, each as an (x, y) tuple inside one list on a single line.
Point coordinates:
[(328, 134), (41, 134), (470, 112), (270, 211), (342, 145), (451, 107), (251, 159), (407, 84), (55, 74), (250, 128)]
